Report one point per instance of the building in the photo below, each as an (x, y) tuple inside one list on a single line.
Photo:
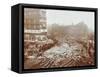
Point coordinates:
[(35, 25)]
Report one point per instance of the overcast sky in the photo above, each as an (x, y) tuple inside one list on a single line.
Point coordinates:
[(65, 17)]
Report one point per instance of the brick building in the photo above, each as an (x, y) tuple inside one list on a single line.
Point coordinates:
[(35, 25)]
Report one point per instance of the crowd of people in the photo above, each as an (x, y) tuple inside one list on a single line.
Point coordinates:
[(37, 48), (39, 54)]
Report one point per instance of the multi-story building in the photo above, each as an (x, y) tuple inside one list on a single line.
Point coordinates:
[(35, 25)]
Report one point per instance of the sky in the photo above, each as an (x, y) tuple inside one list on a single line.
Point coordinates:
[(67, 17)]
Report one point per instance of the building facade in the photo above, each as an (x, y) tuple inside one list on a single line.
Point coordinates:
[(35, 25)]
